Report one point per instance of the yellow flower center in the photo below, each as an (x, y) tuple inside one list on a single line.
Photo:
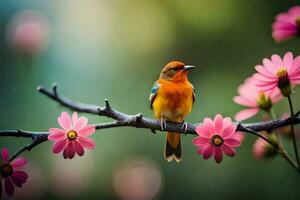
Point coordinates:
[(264, 102), (5, 170), (281, 72), (283, 81), (72, 135), (217, 140)]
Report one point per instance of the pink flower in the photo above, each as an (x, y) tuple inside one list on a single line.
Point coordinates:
[(287, 25), (73, 136), (262, 149), (278, 73), (216, 137), (255, 99), (11, 173)]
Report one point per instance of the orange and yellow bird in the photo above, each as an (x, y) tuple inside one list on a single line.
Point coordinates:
[(172, 98)]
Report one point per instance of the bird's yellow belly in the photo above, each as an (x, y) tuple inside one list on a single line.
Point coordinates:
[(173, 106)]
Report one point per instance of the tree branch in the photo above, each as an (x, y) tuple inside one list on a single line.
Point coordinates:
[(123, 119), (139, 121), (37, 138)]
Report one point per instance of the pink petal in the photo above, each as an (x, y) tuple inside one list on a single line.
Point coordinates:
[(283, 17), (208, 121), (269, 66), (296, 81), (200, 151), (56, 134), (239, 136), (5, 155), (218, 123), (87, 142), (262, 70), (261, 77), (70, 150), (281, 35), (218, 155), (244, 102), (78, 148), (209, 125), (59, 146), (208, 152), (204, 131), (275, 96), (246, 113), (295, 75), (294, 11), (16, 181), (288, 60), (19, 178), (277, 62), (9, 187), (261, 82), (227, 122), (87, 131), (200, 141), (81, 123), (74, 117), (228, 131), (284, 26), (65, 153), (228, 150), (20, 162), (65, 121), (267, 86), (232, 142), (295, 66)]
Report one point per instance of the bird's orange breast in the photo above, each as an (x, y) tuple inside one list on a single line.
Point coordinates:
[(174, 100)]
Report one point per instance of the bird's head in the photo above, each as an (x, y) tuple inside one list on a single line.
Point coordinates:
[(175, 71)]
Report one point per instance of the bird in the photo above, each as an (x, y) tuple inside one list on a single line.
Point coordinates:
[(171, 99)]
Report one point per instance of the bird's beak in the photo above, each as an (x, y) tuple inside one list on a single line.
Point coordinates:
[(188, 67)]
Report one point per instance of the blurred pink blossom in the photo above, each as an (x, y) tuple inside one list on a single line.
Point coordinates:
[(255, 99), (27, 32), (11, 173), (71, 179), (137, 179), (32, 190), (287, 24), (262, 149)]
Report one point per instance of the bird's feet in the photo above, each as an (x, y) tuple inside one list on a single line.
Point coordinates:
[(184, 126), (163, 123)]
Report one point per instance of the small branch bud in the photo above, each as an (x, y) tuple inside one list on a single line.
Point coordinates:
[(107, 106), (54, 87), (139, 117), (39, 88)]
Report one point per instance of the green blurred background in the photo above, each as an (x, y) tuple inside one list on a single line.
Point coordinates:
[(115, 49)]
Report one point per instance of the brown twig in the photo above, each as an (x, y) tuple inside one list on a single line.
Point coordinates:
[(123, 119)]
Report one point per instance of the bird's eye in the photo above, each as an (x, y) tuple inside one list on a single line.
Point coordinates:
[(174, 69)]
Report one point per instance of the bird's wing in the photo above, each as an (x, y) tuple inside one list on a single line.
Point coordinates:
[(194, 94), (153, 94)]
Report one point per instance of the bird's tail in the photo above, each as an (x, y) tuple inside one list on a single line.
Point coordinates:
[(173, 149)]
